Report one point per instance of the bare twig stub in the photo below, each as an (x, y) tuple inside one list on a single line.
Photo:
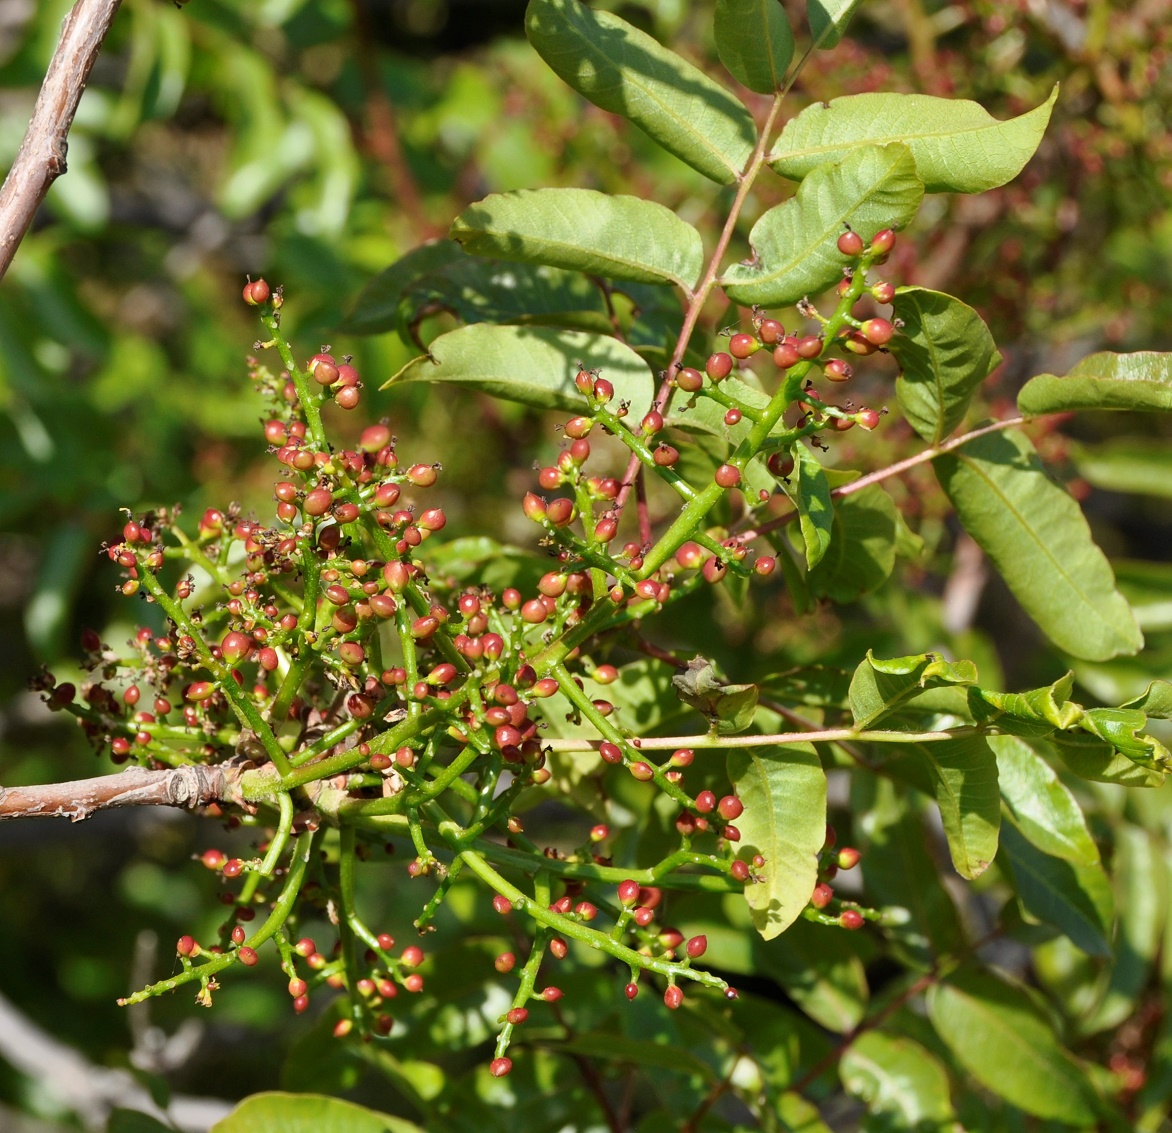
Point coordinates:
[(178, 786), (41, 159)]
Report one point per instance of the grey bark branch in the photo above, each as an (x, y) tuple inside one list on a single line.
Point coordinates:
[(188, 787), (41, 158)]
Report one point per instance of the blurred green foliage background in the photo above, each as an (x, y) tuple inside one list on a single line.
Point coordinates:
[(314, 142)]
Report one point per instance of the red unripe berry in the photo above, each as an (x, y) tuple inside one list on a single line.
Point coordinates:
[(706, 802), (785, 355), (611, 753), (560, 512), (877, 331), (727, 476), (765, 566), (848, 857), (233, 867), (199, 690), (883, 242), (696, 947), (838, 370), (247, 956), (690, 380), (643, 916), (822, 896), (499, 1067), (552, 994), (412, 956), (689, 556), (673, 997), (719, 365), (558, 948), (239, 935), (809, 347), (714, 570), (850, 244), (683, 757), (883, 292), (185, 946), (631, 990), (317, 502), (868, 418), (732, 416), (730, 808), (603, 390), (505, 962), (577, 427), (665, 455), (852, 919), (517, 1016), (235, 647), (502, 904), (739, 870), (740, 346), (652, 422), (584, 380), (642, 771), (256, 292), (605, 674), (583, 909), (628, 892), (347, 397), (534, 611), (547, 686), (770, 331)]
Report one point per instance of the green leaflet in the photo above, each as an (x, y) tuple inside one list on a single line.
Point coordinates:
[(828, 20), (308, 1113), (945, 351), (754, 42), (957, 146), (1036, 536), (820, 971), (861, 555), (1073, 898), (532, 365), (784, 793), (815, 511), (729, 708), (624, 71), (1130, 464), (898, 1079), (795, 243), (1045, 810), (880, 687), (996, 1034), (1103, 381), (617, 237)]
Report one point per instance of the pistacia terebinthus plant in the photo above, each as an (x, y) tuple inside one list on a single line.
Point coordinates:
[(340, 675)]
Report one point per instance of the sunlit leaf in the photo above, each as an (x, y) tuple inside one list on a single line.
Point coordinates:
[(754, 42), (308, 1113), (898, 1079), (1103, 381)]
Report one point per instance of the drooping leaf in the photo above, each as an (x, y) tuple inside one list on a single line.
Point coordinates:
[(995, 1033), (1036, 536), (901, 873), (898, 1080), (1147, 586), (1140, 876), (728, 707), (784, 794), (795, 244), (1123, 729), (1091, 758), (755, 42), (815, 511), (861, 555), (964, 778), (377, 308), (1046, 812), (880, 687), (820, 970), (1155, 701), (828, 20), (958, 147), (625, 71), (945, 351), (618, 237), (1037, 712), (532, 365), (1128, 464), (308, 1113), (1073, 898), (1140, 381)]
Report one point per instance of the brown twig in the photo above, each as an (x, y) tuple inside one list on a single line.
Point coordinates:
[(177, 786), (41, 158)]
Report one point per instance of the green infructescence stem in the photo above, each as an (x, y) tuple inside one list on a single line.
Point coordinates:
[(591, 938), (646, 457), (246, 712), (310, 398), (608, 731), (273, 923), (526, 992)]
